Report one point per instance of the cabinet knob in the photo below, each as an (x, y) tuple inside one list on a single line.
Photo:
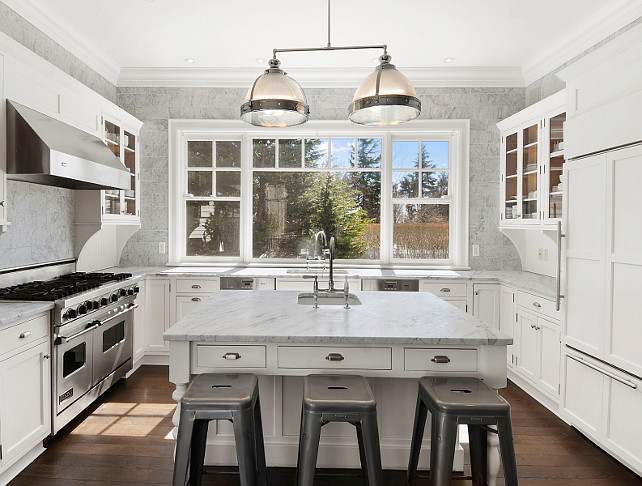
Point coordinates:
[(335, 357), (231, 356), (196, 286), (25, 334), (196, 299), (440, 359), (444, 290), (537, 304), (47, 356)]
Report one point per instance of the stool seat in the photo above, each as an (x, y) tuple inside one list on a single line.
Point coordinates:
[(338, 398), (221, 392), (453, 401), (330, 393), (233, 397)]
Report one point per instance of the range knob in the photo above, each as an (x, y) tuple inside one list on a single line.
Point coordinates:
[(136, 289), (113, 298), (130, 291), (70, 314), (103, 302), (82, 309), (122, 292), (95, 304)]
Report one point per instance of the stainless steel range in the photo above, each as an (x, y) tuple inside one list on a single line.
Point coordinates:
[(92, 335)]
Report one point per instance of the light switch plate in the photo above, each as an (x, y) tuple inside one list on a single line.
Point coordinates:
[(475, 250)]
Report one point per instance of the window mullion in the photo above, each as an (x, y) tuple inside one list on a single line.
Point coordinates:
[(385, 239)]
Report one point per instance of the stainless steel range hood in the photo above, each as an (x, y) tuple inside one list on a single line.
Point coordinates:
[(44, 150)]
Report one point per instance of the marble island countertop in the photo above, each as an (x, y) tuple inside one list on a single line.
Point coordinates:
[(383, 317)]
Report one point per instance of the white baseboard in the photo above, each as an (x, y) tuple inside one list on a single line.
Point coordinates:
[(12, 471), (534, 392)]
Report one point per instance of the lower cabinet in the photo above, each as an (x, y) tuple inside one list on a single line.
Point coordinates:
[(486, 303), (604, 403), (508, 318), (453, 292), (157, 314), (25, 393)]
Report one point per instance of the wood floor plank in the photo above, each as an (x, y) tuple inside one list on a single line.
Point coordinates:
[(123, 439)]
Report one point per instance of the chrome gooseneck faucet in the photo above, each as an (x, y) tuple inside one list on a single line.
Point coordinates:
[(331, 282)]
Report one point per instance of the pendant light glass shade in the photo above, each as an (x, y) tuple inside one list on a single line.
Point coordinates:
[(385, 97), (275, 100)]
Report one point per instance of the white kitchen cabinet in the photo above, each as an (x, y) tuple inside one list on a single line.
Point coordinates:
[(486, 303), (508, 318), (187, 303), (532, 150), (157, 314), (452, 291), (25, 393), (191, 292), (582, 404), (139, 325)]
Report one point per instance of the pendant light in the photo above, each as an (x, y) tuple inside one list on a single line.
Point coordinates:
[(385, 97), (275, 100)]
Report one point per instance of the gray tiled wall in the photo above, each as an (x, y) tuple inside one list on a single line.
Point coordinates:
[(483, 106)]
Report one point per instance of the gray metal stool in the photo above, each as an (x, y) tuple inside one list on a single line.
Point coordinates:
[(464, 401), (221, 397), (338, 398)]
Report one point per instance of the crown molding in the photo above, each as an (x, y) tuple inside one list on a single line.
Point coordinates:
[(319, 77), (55, 26), (608, 20)]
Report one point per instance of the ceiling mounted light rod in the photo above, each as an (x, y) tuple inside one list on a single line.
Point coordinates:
[(385, 97)]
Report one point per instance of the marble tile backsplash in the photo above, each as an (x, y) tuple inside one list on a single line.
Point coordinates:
[(41, 228), (483, 106)]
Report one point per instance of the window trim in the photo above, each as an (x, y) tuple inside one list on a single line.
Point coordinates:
[(456, 131)]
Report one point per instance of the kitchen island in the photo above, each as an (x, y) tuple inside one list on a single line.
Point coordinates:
[(393, 338)]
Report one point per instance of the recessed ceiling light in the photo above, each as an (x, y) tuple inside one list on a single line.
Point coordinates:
[(189, 60), (448, 60), (259, 60)]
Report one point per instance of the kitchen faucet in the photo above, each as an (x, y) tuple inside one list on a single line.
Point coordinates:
[(331, 282)]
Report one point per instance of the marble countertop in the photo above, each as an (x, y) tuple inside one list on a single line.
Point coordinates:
[(382, 318), (16, 311)]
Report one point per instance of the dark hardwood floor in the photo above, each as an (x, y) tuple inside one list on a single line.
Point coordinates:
[(123, 439)]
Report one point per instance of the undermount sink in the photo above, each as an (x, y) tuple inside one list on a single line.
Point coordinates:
[(314, 271), (326, 298)]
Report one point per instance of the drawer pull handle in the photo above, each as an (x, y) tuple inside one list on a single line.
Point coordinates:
[(335, 357), (25, 334), (440, 359), (196, 299), (232, 356), (537, 304), (444, 290), (196, 286)]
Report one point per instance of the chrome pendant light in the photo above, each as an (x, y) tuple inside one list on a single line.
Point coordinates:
[(385, 97), (275, 100)]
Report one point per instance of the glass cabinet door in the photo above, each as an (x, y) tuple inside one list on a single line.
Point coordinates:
[(112, 139), (555, 165), (129, 158), (530, 171), (118, 203), (510, 179)]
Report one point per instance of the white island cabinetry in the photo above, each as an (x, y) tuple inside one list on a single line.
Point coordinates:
[(25, 393)]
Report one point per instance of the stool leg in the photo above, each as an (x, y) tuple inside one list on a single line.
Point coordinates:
[(421, 412), (183, 440), (362, 455), (443, 442), (197, 454), (259, 443), (478, 456), (245, 444), (507, 448), (372, 450), (308, 447)]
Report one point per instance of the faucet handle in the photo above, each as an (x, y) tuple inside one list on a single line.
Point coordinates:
[(346, 287)]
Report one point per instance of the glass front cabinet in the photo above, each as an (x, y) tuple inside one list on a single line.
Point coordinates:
[(122, 204), (532, 159)]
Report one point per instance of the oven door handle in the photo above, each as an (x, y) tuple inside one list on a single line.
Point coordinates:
[(124, 311), (66, 339)]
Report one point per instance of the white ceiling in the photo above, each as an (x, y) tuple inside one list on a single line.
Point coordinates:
[(126, 39)]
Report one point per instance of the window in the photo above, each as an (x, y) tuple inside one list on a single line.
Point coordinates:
[(393, 196)]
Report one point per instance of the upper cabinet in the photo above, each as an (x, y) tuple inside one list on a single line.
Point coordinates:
[(532, 151), (122, 205)]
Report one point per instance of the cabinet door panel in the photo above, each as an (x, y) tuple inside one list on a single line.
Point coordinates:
[(507, 316), (187, 303), (528, 349), (624, 423), (583, 397), (486, 304), (25, 401), (157, 312), (549, 335)]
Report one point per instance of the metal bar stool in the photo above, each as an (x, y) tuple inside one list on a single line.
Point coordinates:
[(338, 398), (453, 401), (221, 397)]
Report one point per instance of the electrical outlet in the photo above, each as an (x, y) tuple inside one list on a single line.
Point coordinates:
[(540, 253), (546, 255), (162, 247), (475, 250)]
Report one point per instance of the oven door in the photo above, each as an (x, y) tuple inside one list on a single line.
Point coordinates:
[(73, 365), (113, 342)]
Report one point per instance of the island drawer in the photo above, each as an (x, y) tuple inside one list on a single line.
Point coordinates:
[(216, 356), (331, 357), (537, 304), (194, 285), (23, 333), (440, 359), (444, 289)]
